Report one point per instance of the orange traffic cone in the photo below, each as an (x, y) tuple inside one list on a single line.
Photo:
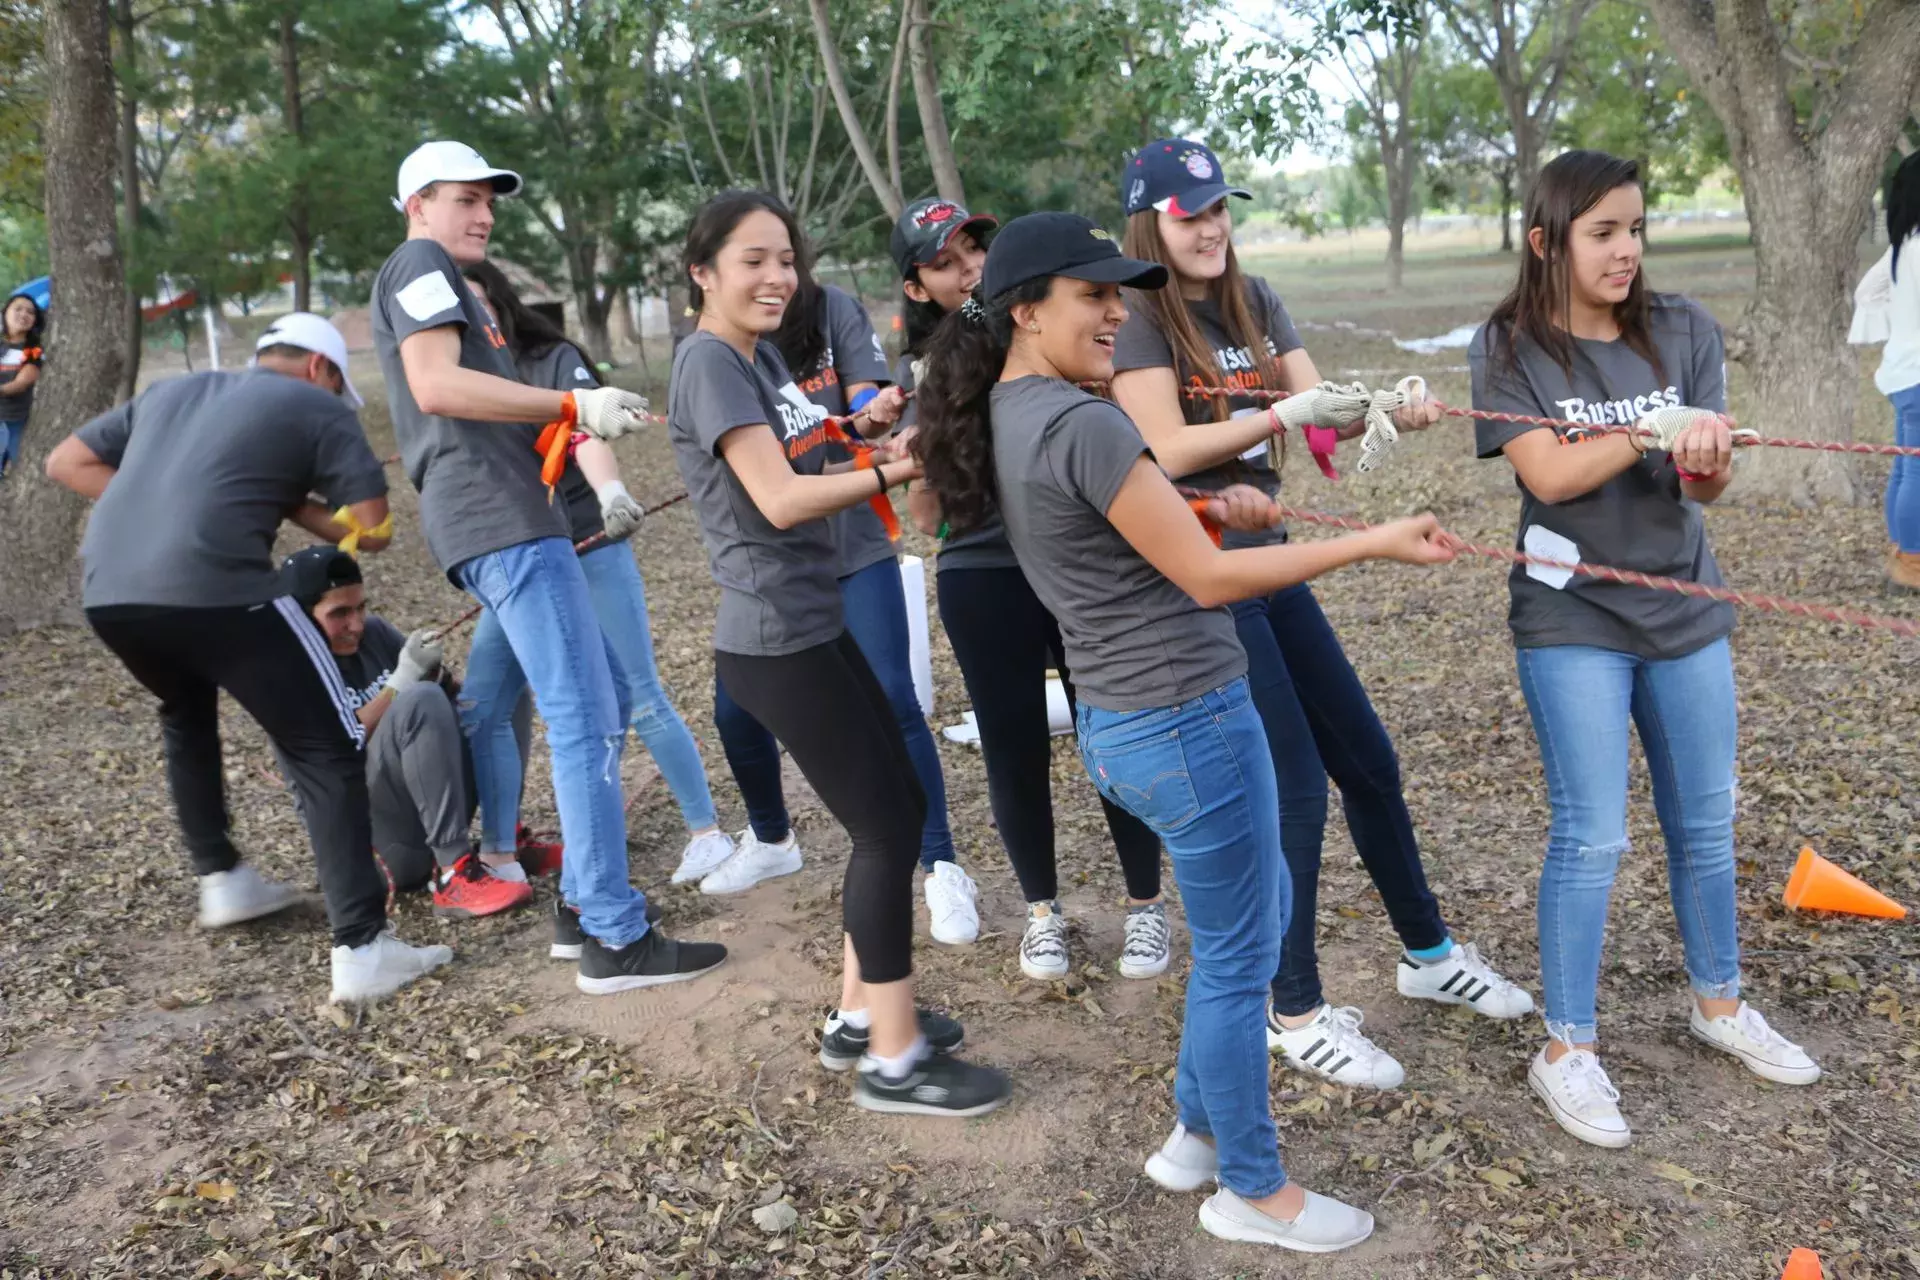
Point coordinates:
[(1802, 1264), (1818, 885)]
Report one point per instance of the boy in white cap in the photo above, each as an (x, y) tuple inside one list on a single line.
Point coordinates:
[(468, 432), (191, 480)]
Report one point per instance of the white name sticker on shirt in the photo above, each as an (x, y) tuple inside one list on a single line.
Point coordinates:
[(581, 375), (427, 296), (1549, 545), (1256, 452)]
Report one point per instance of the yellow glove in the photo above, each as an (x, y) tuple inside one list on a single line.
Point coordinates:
[(356, 531)]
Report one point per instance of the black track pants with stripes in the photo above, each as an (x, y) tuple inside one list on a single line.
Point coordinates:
[(273, 660)]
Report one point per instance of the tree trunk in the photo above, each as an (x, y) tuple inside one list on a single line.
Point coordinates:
[(129, 184), (1506, 209), (933, 116), (299, 229), (890, 197), (623, 326), (594, 334), (1526, 155), (41, 584)]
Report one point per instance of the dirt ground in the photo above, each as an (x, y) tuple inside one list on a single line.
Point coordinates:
[(175, 1103)]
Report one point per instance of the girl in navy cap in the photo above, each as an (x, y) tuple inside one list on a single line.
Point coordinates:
[(1004, 640), (1218, 328), (1167, 725)]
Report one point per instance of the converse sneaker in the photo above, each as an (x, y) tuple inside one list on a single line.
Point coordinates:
[(703, 855), (241, 893), (1325, 1225), (1184, 1162), (1043, 948), (752, 863), (648, 961), (1462, 977), (568, 935), (1332, 1048), (381, 967), (953, 912), (1746, 1035), (468, 889), (938, 1085), (1580, 1097), (841, 1045), (1149, 942)]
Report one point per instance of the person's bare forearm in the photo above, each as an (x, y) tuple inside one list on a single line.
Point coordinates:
[(804, 498), (1251, 572), (457, 392)]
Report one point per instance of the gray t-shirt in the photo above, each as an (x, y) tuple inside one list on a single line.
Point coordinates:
[(1141, 345), (479, 482), (367, 670), (1638, 519), (1135, 641), (984, 546), (779, 588), (208, 465), (853, 354), (561, 368)]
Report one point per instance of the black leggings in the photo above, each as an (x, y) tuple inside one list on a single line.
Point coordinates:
[(1005, 639), (828, 710)]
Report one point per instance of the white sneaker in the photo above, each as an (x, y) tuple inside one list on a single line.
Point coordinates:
[(228, 897), (1184, 1162), (1043, 948), (381, 967), (953, 910), (1583, 1101), (1149, 942), (752, 863), (703, 855), (1462, 978), (1325, 1225), (1332, 1048), (1746, 1036)]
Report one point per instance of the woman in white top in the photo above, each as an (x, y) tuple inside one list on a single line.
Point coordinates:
[(1899, 375)]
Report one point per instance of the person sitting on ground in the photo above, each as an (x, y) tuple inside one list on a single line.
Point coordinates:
[(190, 482)]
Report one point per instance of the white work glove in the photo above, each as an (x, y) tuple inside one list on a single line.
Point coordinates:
[(1382, 432), (619, 512), (607, 413), (1663, 428), (419, 660), (1328, 405)]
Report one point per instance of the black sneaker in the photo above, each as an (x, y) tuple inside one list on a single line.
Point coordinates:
[(938, 1086), (842, 1045), (650, 961), (567, 935)]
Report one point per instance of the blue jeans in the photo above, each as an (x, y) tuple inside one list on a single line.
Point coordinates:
[(537, 596), (1903, 483), (10, 434), (1200, 776), (1319, 721), (620, 602), (876, 610), (1581, 699)]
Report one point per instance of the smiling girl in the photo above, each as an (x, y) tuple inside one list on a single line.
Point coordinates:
[(782, 648), (1582, 337), (19, 371)]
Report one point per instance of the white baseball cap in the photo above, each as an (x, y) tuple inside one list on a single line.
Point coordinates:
[(313, 333), (450, 162)]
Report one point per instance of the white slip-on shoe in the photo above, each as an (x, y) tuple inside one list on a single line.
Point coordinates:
[(1746, 1036), (1184, 1162), (1580, 1097), (1325, 1225), (703, 855), (1462, 977), (1332, 1047), (381, 967), (1043, 947), (953, 905), (229, 897), (753, 862)]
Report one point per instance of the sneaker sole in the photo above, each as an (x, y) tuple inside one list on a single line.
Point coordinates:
[(467, 913), (955, 940), (1573, 1125), (1176, 1177), (228, 919), (564, 951), (746, 888), (1760, 1067), (1038, 974), (1130, 970), (635, 982), (384, 989), (1447, 997), (1218, 1224), (901, 1107)]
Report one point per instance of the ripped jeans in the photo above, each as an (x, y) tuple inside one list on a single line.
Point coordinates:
[(1582, 700), (537, 594)]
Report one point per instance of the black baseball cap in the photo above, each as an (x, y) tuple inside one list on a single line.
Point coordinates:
[(924, 227), (1177, 176), (308, 574), (1062, 244)]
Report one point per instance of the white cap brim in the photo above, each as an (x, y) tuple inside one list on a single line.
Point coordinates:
[(505, 182)]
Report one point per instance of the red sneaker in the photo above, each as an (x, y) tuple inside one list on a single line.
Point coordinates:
[(470, 891), (537, 857)]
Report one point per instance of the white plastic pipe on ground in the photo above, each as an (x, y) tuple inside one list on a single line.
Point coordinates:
[(913, 580)]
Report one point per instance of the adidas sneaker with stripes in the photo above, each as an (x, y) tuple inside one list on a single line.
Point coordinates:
[(1462, 977)]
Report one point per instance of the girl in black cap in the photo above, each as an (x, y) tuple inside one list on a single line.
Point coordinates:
[(1218, 328), (1005, 640), (782, 647), (1167, 726)]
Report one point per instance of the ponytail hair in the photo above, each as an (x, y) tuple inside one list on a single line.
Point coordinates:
[(965, 355)]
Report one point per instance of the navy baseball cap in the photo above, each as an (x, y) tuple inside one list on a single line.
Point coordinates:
[(311, 572), (1177, 176), (924, 227), (1062, 244)]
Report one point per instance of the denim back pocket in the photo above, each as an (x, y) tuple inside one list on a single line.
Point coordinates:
[(1140, 763)]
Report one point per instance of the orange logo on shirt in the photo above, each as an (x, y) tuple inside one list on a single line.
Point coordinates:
[(828, 377)]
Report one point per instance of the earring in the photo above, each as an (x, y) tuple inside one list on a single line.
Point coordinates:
[(1033, 328)]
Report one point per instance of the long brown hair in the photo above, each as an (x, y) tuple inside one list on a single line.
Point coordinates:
[(1172, 314), (1540, 307)]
